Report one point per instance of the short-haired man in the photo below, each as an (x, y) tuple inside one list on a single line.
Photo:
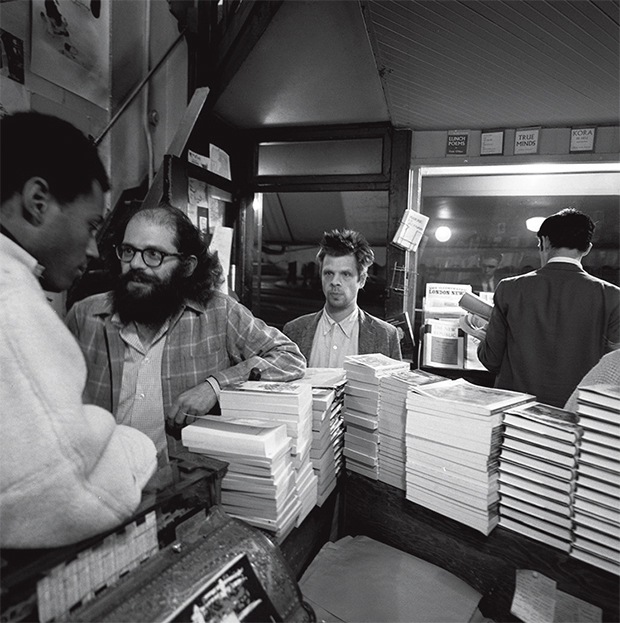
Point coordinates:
[(550, 326), (486, 280), (161, 345), (67, 470), (341, 328)]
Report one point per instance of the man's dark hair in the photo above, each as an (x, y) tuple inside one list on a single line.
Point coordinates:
[(37, 145), (208, 274), (341, 242), (568, 228)]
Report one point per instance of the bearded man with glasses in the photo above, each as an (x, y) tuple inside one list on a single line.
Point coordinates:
[(163, 342)]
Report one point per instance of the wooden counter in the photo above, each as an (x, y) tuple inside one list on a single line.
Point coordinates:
[(488, 564)]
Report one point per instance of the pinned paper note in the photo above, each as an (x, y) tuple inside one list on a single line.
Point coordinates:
[(410, 231), (534, 598)]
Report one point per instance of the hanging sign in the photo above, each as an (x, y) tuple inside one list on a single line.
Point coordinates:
[(526, 141), (457, 142), (582, 139), (492, 143)]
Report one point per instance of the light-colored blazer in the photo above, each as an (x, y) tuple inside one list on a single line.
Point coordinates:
[(375, 335)]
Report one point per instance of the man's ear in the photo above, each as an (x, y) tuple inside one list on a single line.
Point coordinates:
[(190, 265), (588, 249), (36, 199)]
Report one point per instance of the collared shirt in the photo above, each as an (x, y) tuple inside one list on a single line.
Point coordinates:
[(140, 403), (562, 258), (333, 341)]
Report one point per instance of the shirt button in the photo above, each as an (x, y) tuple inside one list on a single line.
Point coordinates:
[(141, 396), (335, 348), (146, 360)]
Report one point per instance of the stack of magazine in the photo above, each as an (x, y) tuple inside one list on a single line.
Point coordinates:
[(392, 418), (597, 499), (361, 410), (280, 403), (538, 473), (326, 452), (259, 486), (453, 436)]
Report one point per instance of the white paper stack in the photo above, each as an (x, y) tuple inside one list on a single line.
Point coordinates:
[(392, 422), (537, 473), (454, 434), (260, 484), (361, 410), (327, 426), (597, 498), (282, 403)]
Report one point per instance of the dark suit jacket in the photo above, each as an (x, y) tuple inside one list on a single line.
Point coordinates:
[(375, 335), (548, 328)]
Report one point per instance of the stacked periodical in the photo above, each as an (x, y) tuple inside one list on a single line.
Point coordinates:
[(537, 476), (361, 410), (259, 485), (597, 498), (282, 403), (327, 426), (454, 434), (392, 422)]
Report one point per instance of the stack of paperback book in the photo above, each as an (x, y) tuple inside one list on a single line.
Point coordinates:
[(327, 426), (454, 435), (361, 410), (597, 499), (259, 486), (537, 473), (392, 418), (281, 403)]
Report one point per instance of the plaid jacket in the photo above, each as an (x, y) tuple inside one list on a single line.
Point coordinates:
[(222, 339)]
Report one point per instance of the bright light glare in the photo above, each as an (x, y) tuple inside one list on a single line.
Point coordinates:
[(534, 223), (443, 233)]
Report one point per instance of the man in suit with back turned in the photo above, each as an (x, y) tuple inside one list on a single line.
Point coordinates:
[(341, 328), (550, 326)]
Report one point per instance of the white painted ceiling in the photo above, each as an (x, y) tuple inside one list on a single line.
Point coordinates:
[(425, 65)]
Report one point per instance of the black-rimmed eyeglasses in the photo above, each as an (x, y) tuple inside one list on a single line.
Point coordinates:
[(153, 258)]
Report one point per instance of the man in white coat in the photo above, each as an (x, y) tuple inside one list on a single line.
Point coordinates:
[(67, 470)]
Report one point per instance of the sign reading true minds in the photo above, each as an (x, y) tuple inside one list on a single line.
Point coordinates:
[(526, 141), (457, 142)]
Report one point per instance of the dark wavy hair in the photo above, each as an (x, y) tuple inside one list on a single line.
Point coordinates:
[(208, 274), (568, 228), (38, 145), (341, 242)]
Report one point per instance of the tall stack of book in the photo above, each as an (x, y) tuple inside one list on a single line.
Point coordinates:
[(282, 403), (327, 426), (361, 410), (259, 486), (393, 389), (597, 498), (537, 473), (454, 434)]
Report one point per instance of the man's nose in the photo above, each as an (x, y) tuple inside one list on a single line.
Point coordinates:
[(91, 249)]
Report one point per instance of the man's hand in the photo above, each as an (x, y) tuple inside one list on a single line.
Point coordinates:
[(198, 400)]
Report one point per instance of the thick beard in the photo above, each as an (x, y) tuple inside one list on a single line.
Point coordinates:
[(149, 307)]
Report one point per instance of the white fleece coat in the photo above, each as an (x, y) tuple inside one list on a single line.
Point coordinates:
[(67, 470)]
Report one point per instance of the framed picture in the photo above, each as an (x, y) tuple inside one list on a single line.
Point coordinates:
[(526, 141), (492, 143), (582, 140)]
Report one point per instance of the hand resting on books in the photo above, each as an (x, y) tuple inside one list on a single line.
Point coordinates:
[(474, 325)]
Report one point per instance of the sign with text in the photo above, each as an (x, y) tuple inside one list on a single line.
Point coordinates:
[(457, 142), (582, 139), (526, 141), (492, 143)]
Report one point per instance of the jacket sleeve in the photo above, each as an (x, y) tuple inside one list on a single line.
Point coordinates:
[(68, 470), (491, 350), (251, 343)]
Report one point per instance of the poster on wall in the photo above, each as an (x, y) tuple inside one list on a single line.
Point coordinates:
[(71, 46)]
